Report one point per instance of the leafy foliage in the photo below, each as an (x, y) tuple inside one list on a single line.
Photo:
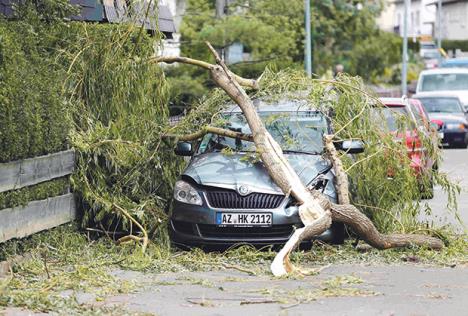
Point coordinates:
[(272, 33), (90, 86), (120, 114), (384, 183), (33, 118), (39, 191)]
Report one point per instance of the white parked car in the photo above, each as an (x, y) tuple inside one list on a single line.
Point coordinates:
[(447, 80)]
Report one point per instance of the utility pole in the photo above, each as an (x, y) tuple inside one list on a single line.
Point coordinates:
[(308, 46), (220, 12), (404, 67), (439, 24)]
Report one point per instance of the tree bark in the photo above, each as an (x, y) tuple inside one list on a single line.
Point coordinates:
[(213, 130)]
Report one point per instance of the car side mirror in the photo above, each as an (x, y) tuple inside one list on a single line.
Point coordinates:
[(183, 149), (352, 146)]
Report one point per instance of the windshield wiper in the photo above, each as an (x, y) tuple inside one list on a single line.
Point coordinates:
[(287, 151)]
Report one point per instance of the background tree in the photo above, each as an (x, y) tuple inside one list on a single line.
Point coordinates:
[(272, 32)]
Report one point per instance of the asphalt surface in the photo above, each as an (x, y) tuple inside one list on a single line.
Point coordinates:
[(349, 289), (455, 164)]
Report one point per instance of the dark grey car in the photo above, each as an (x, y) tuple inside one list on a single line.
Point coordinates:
[(448, 113), (225, 196)]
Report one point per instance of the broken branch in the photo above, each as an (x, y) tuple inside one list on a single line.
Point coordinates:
[(213, 130)]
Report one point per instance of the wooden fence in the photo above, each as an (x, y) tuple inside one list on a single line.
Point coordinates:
[(18, 222)]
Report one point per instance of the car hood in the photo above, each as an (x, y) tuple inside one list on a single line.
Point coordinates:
[(448, 117), (233, 170)]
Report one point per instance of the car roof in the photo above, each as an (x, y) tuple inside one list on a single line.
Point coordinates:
[(284, 105), (397, 102), (438, 71), (435, 94), (462, 60)]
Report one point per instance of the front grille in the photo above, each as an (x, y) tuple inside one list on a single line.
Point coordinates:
[(232, 200), (276, 231)]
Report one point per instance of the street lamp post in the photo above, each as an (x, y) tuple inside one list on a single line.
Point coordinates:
[(439, 24), (404, 67), (308, 46)]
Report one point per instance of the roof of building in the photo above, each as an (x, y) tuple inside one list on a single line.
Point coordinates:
[(142, 12)]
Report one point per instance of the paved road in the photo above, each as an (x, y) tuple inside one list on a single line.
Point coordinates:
[(404, 289), (455, 164), (338, 290)]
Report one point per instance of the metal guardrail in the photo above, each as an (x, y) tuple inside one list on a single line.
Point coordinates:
[(18, 222)]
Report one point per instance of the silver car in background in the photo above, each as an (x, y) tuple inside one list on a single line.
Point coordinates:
[(446, 110)]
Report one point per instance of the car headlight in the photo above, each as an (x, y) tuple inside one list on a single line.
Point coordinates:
[(455, 126), (185, 193)]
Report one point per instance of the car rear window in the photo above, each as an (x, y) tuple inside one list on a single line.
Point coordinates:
[(447, 82), (435, 105)]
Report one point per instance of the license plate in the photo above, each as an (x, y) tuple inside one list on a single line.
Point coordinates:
[(441, 135), (244, 219)]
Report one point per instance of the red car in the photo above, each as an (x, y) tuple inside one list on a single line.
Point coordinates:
[(421, 160)]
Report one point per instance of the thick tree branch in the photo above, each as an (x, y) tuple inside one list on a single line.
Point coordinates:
[(341, 178), (183, 60), (251, 83), (213, 130), (365, 229)]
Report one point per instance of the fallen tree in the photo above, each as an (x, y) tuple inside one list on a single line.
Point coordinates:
[(315, 210)]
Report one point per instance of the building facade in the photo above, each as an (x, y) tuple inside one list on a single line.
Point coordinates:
[(455, 20), (421, 17)]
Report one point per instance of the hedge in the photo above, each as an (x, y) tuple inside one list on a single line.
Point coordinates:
[(39, 191), (33, 118), (455, 44)]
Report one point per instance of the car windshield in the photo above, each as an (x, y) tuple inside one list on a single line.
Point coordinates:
[(447, 82), (428, 46), (294, 131), (431, 55), (449, 105), (395, 117)]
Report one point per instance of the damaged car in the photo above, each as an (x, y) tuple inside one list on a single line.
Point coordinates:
[(225, 196)]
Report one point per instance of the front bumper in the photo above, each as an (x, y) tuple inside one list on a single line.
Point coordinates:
[(192, 225), (454, 137)]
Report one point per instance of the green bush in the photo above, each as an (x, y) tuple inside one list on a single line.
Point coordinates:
[(40, 191), (33, 118), (455, 44), (93, 87)]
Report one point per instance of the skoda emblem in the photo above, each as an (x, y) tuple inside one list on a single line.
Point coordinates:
[(243, 190)]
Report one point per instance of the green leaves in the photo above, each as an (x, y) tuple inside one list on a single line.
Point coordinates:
[(33, 118)]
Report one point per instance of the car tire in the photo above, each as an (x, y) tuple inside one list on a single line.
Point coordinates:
[(338, 233)]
